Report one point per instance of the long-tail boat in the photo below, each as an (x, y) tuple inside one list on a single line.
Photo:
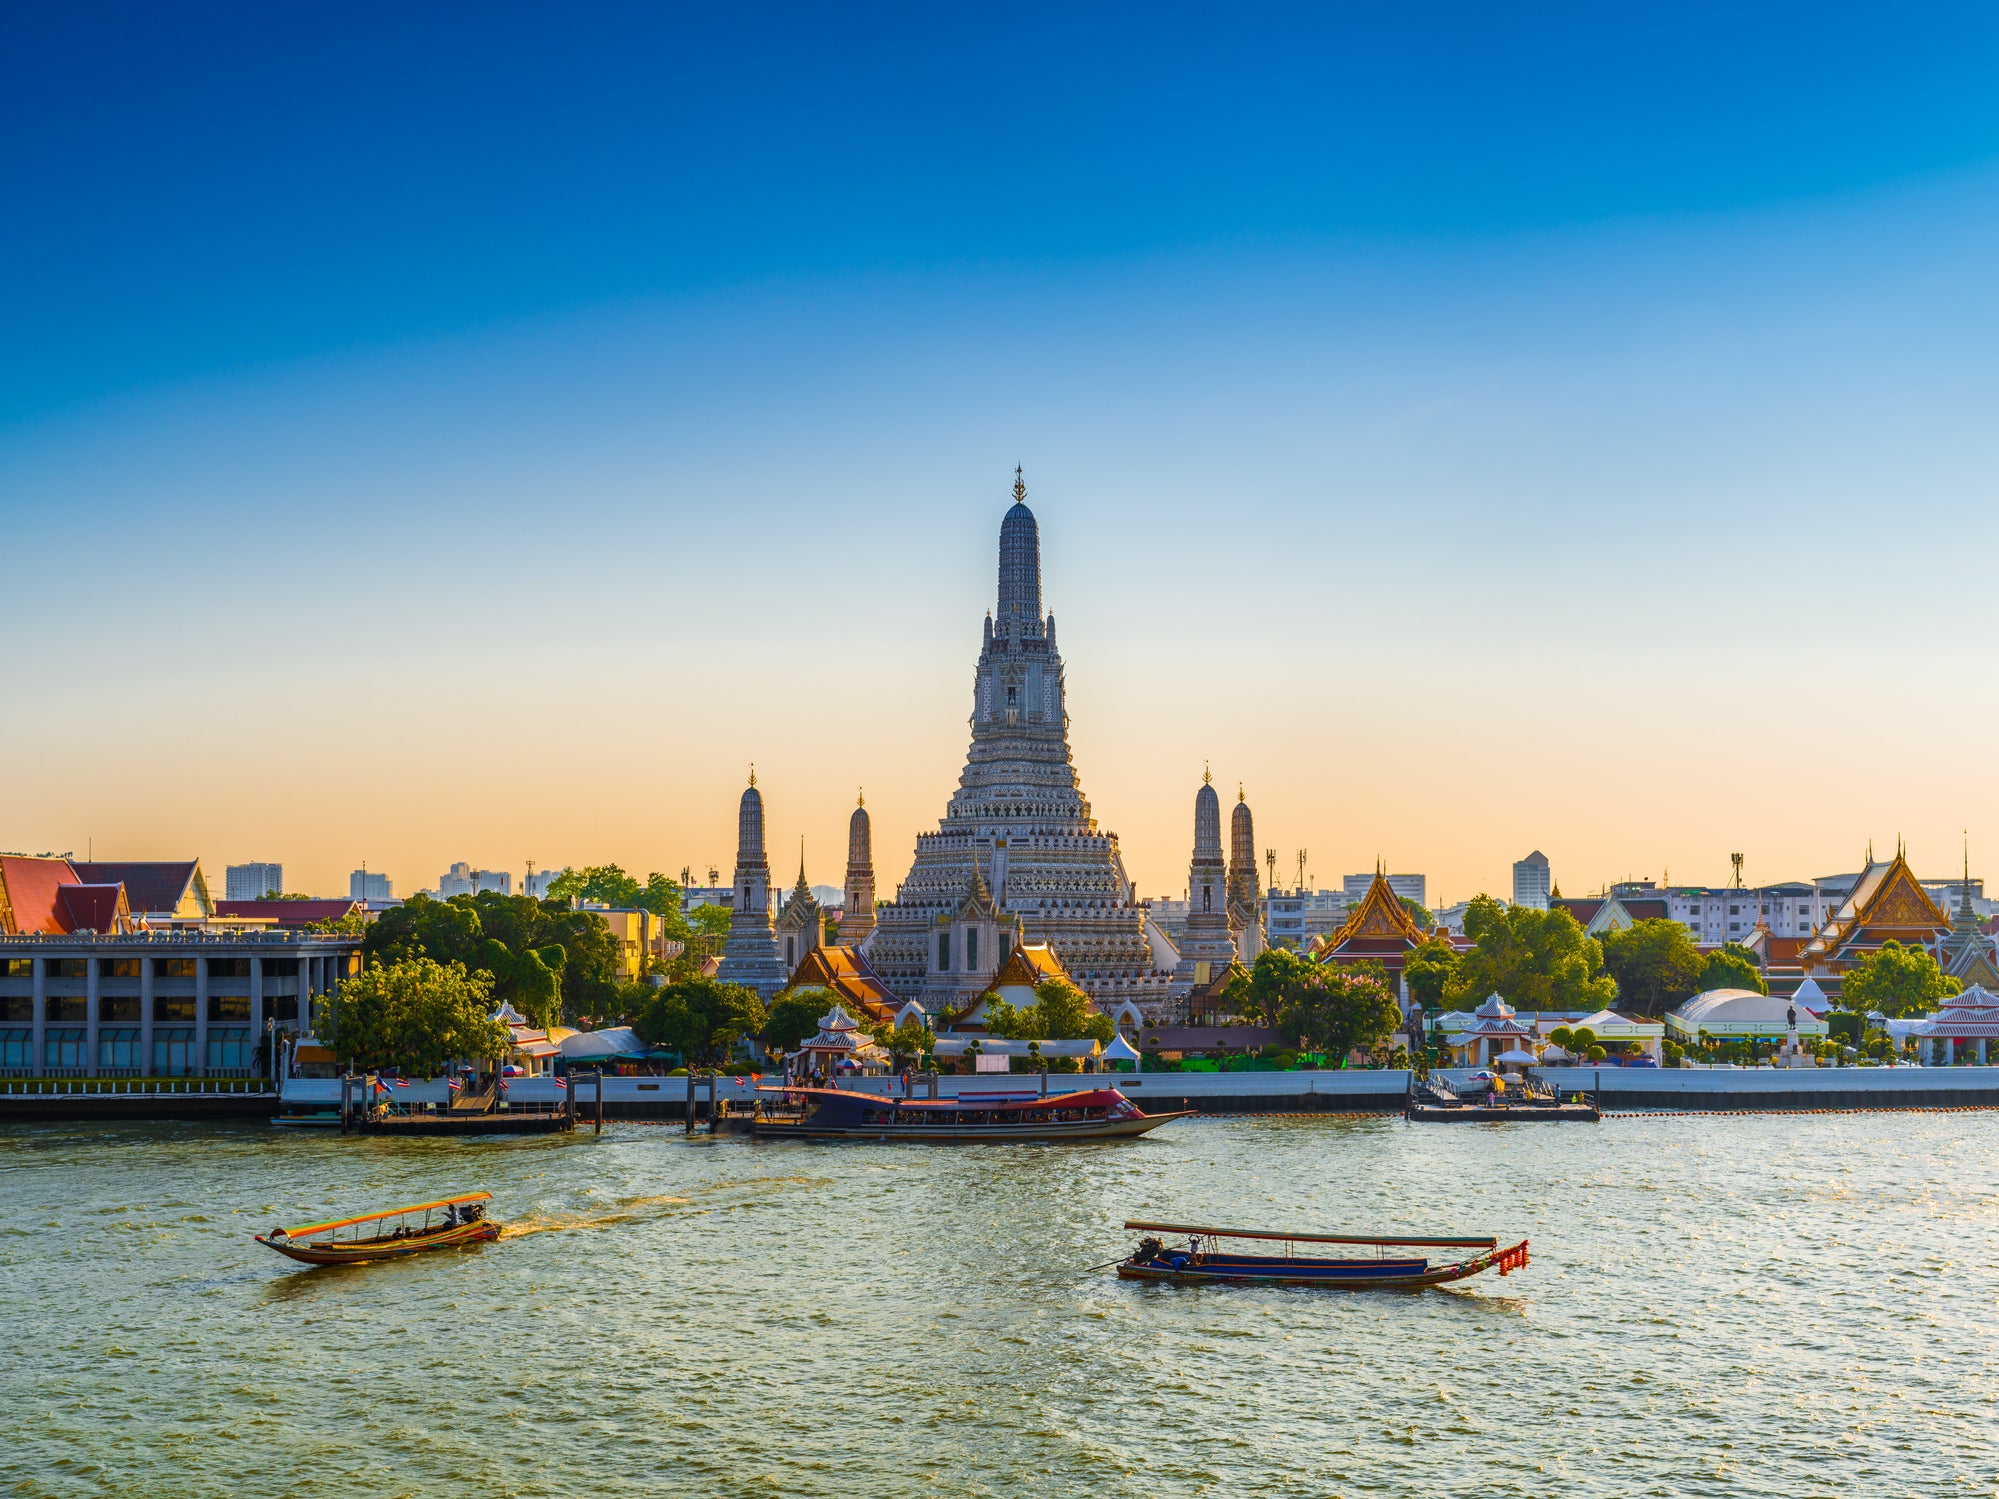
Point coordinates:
[(834, 1114), (448, 1223), (1203, 1260)]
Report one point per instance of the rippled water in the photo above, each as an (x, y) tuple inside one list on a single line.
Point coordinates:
[(1773, 1305)]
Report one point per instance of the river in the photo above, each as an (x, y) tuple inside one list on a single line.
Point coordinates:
[(1782, 1305)]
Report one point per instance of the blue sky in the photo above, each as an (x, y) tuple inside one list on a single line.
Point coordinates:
[(1416, 398)]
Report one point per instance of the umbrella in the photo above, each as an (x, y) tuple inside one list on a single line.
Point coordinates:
[(1517, 1057)]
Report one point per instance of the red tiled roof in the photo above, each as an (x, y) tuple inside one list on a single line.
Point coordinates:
[(288, 912), (31, 891), (149, 886), (1584, 910), (92, 908), (1646, 910)]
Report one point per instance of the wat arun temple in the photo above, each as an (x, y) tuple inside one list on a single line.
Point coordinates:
[(1017, 861)]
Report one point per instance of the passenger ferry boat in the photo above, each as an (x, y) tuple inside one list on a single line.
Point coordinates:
[(833, 1114), (396, 1233)]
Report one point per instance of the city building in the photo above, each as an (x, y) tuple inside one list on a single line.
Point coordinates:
[(536, 882), (160, 892), (707, 895), (750, 957), (282, 913), (88, 990), (1715, 914), (463, 879), (1017, 836), (369, 888), (252, 881), (1413, 887), (1298, 918), (1533, 883)]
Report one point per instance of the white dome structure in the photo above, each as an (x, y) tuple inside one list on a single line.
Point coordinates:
[(1742, 1013)]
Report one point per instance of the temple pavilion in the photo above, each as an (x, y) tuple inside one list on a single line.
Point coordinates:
[(1967, 1019), (1380, 929), (1494, 1033), (1887, 903)]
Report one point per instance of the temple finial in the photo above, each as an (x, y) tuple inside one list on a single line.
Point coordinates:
[(1238, 792), (860, 797), (1019, 487), (753, 772), (1207, 776)]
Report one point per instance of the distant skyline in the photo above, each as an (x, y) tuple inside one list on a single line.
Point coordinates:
[(481, 434)]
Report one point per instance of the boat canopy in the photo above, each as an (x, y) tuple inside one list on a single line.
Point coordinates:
[(1261, 1233), (415, 1207)]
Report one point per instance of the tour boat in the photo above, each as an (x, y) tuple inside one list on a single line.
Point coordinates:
[(1202, 1260), (835, 1114), (448, 1223)]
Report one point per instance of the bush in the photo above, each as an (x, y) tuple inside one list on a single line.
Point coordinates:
[(1596, 1054)]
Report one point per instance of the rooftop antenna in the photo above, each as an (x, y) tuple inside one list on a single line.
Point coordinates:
[(1270, 863), (1301, 869), (1735, 861)]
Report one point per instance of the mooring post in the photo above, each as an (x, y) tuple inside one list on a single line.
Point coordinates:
[(346, 1095), (600, 1100), (690, 1100), (1044, 1079), (715, 1102)]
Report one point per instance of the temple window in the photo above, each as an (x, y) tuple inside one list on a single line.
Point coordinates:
[(972, 948), (943, 952)]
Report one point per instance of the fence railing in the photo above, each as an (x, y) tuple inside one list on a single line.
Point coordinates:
[(62, 1087)]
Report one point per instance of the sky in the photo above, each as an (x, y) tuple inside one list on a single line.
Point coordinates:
[(482, 434)]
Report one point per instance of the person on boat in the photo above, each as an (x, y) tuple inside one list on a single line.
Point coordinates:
[(451, 1215)]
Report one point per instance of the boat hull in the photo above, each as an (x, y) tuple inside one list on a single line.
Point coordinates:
[(970, 1134), (1350, 1275), (372, 1253)]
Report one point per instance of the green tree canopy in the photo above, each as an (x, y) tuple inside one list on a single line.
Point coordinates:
[(710, 920), (1338, 1009), (1732, 966), (578, 943), (700, 1018), (412, 1014), (794, 1016), (1535, 960), (1428, 969), (1420, 914), (1060, 1012), (1898, 981), (1277, 976), (607, 884), (1655, 964), (904, 1042)]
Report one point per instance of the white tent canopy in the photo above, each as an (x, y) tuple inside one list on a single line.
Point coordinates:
[(618, 1041), (1120, 1050)]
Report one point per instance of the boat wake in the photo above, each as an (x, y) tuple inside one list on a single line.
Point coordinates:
[(626, 1210)]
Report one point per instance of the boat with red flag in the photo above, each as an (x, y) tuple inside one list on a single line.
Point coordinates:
[(1206, 1258), (837, 1114)]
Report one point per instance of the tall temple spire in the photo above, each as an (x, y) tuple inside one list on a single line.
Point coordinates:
[(1245, 898), (751, 956), (1207, 946), (1020, 567), (857, 915)]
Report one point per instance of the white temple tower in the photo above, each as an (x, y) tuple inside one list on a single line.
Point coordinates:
[(751, 956), (1018, 831), (1207, 947), (857, 920), (1245, 899)]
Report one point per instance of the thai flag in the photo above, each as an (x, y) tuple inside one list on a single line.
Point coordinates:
[(560, 1083), (453, 1084), (402, 1082)]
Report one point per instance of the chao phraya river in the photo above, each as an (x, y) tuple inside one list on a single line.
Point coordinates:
[(1728, 1306)]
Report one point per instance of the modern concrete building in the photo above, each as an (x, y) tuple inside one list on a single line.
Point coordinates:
[(1354, 887), (88, 990), (1533, 882), (252, 881), (363, 886), (463, 879)]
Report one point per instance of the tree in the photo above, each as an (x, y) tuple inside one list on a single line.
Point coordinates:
[(1419, 914), (529, 980), (1536, 960), (605, 884), (1339, 1009), (1428, 969), (1733, 966), (413, 1014), (904, 1042), (1898, 981), (710, 920), (700, 1018), (1065, 1014), (1277, 976), (1655, 964), (794, 1016)]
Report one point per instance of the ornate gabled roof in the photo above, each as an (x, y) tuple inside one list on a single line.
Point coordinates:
[(846, 972), (1380, 920), (1032, 964), (1887, 901)]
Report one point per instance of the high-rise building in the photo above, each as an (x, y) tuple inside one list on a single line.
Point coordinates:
[(1354, 887), (1532, 883), (252, 881), (463, 879), (535, 883), (362, 885), (1017, 848), (751, 958)]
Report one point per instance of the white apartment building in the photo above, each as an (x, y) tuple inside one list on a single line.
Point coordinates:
[(252, 881), (463, 879), (363, 886), (1354, 887), (1533, 882)]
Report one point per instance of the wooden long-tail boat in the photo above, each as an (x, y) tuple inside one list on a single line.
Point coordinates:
[(448, 1223), (1202, 1260), (835, 1114)]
